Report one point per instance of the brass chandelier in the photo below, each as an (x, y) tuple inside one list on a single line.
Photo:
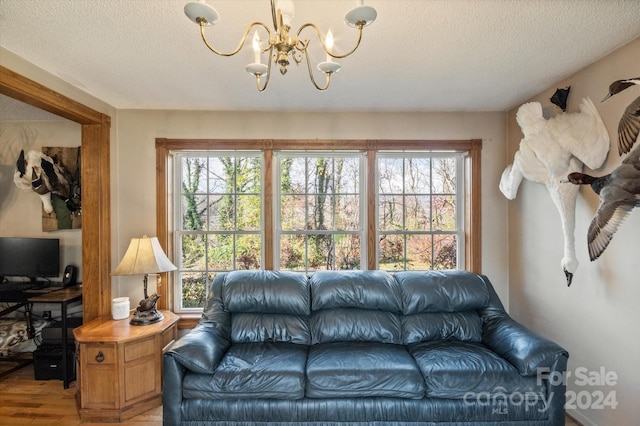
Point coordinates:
[(281, 45)]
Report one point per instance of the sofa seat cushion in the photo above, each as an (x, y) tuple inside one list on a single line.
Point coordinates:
[(362, 369), (471, 371), (253, 370)]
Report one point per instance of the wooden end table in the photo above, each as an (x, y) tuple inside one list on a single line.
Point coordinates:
[(119, 367)]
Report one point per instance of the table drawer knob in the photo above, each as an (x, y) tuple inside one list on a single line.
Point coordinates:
[(100, 357)]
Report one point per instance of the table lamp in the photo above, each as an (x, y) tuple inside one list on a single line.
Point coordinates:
[(143, 257)]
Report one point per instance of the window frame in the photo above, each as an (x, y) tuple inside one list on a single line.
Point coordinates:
[(471, 148)]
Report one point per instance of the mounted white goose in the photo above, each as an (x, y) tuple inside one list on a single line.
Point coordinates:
[(552, 149)]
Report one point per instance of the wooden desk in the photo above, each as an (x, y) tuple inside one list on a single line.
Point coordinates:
[(120, 367), (63, 297)]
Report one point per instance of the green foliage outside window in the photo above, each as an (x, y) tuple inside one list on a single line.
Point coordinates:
[(319, 212)]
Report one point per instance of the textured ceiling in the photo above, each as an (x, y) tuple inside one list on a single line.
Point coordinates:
[(419, 55)]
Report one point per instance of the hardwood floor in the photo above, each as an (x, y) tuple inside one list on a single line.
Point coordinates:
[(26, 401)]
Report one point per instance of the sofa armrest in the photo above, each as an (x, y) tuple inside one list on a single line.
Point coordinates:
[(527, 351), (172, 376), (201, 349)]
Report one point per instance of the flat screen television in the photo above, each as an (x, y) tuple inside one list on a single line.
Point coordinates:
[(31, 258)]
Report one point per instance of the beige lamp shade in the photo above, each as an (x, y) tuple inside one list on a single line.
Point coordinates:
[(144, 256)]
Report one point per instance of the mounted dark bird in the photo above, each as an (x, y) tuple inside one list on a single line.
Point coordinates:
[(629, 125), (619, 193), (560, 97)]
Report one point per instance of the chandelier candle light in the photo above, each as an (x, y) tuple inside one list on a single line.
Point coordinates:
[(143, 257), (282, 45)]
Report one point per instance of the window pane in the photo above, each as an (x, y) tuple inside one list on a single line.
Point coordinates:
[(347, 175), (294, 175), (221, 212), (391, 252), (194, 175), (445, 251), (292, 252), (293, 212), (348, 248), (419, 249), (417, 213), (220, 249), (444, 213), (248, 175), (390, 176), (248, 212), (194, 212), (193, 252), (321, 252), (248, 251), (320, 175), (390, 212), (194, 285), (321, 212), (347, 212), (444, 175), (418, 176), (221, 173)]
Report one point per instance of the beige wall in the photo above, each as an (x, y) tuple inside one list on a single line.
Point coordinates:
[(134, 165), (596, 318)]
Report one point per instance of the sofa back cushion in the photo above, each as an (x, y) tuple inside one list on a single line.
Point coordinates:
[(355, 306), (439, 305), (267, 306)]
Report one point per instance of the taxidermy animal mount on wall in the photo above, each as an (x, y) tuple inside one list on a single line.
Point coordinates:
[(41, 174), (629, 125), (552, 149), (560, 97), (619, 193)]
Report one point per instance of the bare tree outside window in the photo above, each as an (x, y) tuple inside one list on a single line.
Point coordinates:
[(320, 204), (417, 206), (319, 216)]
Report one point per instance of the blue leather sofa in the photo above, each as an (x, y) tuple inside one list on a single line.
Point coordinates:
[(360, 348)]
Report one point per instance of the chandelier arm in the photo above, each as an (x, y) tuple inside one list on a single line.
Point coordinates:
[(313, 80), (266, 82), (359, 26), (274, 15), (242, 41)]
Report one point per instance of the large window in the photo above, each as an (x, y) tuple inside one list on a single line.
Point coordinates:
[(319, 202), (419, 224), (357, 205), (219, 219)]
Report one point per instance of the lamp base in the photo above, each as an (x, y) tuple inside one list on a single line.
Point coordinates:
[(146, 317)]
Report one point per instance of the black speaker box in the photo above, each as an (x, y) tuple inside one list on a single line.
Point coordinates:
[(47, 362), (70, 276)]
